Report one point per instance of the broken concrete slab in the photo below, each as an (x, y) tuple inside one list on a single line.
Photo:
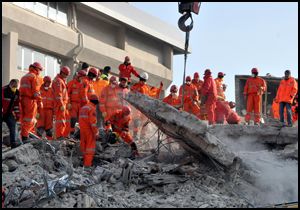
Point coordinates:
[(185, 128)]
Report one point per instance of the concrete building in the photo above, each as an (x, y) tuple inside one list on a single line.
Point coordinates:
[(267, 99), (99, 33)]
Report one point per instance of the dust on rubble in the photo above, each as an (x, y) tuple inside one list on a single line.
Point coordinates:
[(50, 174)]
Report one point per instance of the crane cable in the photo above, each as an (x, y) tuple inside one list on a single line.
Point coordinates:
[(186, 29)]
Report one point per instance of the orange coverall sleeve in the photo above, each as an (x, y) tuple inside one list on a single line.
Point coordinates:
[(246, 88), (36, 91), (294, 89), (134, 72), (58, 93)]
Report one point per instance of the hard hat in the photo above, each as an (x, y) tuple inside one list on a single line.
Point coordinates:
[(173, 88), (127, 58), (221, 74), (144, 75), (37, 65), (231, 104), (93, 97), (113, 80), (47, 79), (66, 70), (254, 71), (207, 72), (126, 110), (94, 70), (188, 78), (196, 75), (81, 73)]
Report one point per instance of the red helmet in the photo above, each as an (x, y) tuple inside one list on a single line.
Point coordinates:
[(37, 65), (173, 88), (126, 110), (254, 71), (93, 97), (221, 74), (94, 71), (47, 79), (188, 78), (66, 70), (113, 79), (207, 72), (81, 73), (196, 75)]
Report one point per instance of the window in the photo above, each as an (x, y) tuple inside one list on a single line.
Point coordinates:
[(27, 56), (56, 11)]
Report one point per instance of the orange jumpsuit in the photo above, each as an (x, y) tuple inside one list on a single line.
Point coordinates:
[(75, 100), (173, 101), (86, 89), (198, 84), (191, 99), (99, 86), (60, 100), (287, 90), (30, 101), (110, 101), (88, 132), (209, 90), (220, 91), (254, 88), (120, 125), (46, 115), (226, 113)]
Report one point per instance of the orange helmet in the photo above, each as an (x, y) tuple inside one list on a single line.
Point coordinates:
[(254, 71), (126, 110), (221, 74), (188, 78), (66, 70), (81, 73), (47, 79), (174, 88), (37, 65), (196, 75), (93, 97), (94, 71)]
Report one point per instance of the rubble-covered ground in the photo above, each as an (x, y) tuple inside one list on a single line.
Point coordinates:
[(50, 174)]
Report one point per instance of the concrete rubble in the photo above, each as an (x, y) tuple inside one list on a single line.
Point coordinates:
[(254, 168)]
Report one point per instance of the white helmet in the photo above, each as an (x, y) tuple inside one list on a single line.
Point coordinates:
[(144, 75)]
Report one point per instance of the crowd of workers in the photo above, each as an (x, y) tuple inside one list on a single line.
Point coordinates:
[(94, 99)]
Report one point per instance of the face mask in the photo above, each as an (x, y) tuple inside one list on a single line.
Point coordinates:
[(173, 94), (13, 89), (46, 88), (221, 77), (253, 75), (188, 83), (113, 85)]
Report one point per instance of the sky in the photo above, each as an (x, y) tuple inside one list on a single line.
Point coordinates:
[(235, 37)]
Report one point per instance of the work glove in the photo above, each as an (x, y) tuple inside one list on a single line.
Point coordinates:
[(37, 116), (69, 106), (62, 108), (104, 114)]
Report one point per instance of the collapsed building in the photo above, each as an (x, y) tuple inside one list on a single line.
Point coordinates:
[(188, 164)]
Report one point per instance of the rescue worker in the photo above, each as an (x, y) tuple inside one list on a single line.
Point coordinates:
[(88, 130), (30, 99), (209, 96), (231, 116), (99, 85), (126, 69), (138, 118), (61, 99), (86, 89), (75, 98), (110, 101), (106, 72), (45, 117), (191, 97), (275, 109), (154, 92), (11, 110), (220, 86), (85, 67), (295, 108), (197, 82), (285, 94), (123, 90), (119, 123), (173, 99), (253, 90)]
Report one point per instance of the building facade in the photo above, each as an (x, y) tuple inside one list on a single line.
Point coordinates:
[(99, 33)]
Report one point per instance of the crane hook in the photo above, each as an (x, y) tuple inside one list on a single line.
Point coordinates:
[(183, 19)]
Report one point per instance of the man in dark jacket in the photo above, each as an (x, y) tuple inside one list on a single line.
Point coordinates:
[(10, 109)]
